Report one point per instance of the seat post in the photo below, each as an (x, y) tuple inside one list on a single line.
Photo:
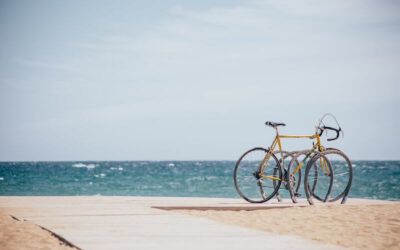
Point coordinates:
[(280, 147), (276, 130)]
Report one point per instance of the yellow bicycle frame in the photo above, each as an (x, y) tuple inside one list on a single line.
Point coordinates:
[(277, 141)]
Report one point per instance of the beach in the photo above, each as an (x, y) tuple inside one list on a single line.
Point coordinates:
[(151, 125), (17, 234), (97, 222), (356, 226)]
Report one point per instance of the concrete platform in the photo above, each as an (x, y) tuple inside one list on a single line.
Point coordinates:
[(97, 222)]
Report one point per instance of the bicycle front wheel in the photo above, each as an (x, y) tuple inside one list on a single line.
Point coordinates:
[(342, 171), (251, 183)]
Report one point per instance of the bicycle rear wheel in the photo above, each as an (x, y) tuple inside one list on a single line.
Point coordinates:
[(252, 184)]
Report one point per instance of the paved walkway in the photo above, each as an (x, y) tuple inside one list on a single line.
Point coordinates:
[(97, 222)]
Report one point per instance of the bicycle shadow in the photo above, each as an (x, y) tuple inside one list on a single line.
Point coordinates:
[(222, 207)]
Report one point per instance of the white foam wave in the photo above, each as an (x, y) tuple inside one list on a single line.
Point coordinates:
[(201, 178), (119, 168), (81, 165)]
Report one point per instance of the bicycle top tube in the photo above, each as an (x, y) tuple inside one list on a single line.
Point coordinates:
[(313, 136)]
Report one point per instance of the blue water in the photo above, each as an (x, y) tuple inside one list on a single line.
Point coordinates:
[(372, 179)]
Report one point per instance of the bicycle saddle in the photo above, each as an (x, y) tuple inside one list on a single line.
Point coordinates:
[(275, 124)]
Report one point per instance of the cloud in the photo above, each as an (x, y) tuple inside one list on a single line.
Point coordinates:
[(215, 64), (271, 46)]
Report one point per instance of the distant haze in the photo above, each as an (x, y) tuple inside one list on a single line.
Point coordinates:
[(165, 80)]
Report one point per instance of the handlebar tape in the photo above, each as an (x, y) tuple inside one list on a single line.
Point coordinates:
[(333, 129)]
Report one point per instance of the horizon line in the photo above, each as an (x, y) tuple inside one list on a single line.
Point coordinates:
[(165, 160)]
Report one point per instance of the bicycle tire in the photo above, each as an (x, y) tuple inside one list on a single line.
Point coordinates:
[(343, 175), (250, 175)]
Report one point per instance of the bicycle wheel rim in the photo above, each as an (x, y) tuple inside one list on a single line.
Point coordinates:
[(342, 172), (250, 186)]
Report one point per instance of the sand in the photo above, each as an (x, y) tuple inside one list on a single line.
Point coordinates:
[(96, 222), (16, 234), (353, 226)]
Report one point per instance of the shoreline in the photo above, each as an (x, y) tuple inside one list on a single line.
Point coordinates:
[(96, 222)]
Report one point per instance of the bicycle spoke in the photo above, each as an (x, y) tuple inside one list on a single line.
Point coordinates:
[(255, 184)]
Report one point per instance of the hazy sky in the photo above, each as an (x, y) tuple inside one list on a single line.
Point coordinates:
[(164, 80)]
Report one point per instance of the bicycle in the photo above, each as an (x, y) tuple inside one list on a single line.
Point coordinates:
[(339, 163), (260, 166)]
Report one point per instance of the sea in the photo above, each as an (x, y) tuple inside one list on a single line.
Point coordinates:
[(371, 179)]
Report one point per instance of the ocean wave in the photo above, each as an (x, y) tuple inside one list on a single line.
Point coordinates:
[(201, 178), (118, 168), (81, 165)]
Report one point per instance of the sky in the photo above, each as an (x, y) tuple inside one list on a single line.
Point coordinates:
[(195, 80)]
